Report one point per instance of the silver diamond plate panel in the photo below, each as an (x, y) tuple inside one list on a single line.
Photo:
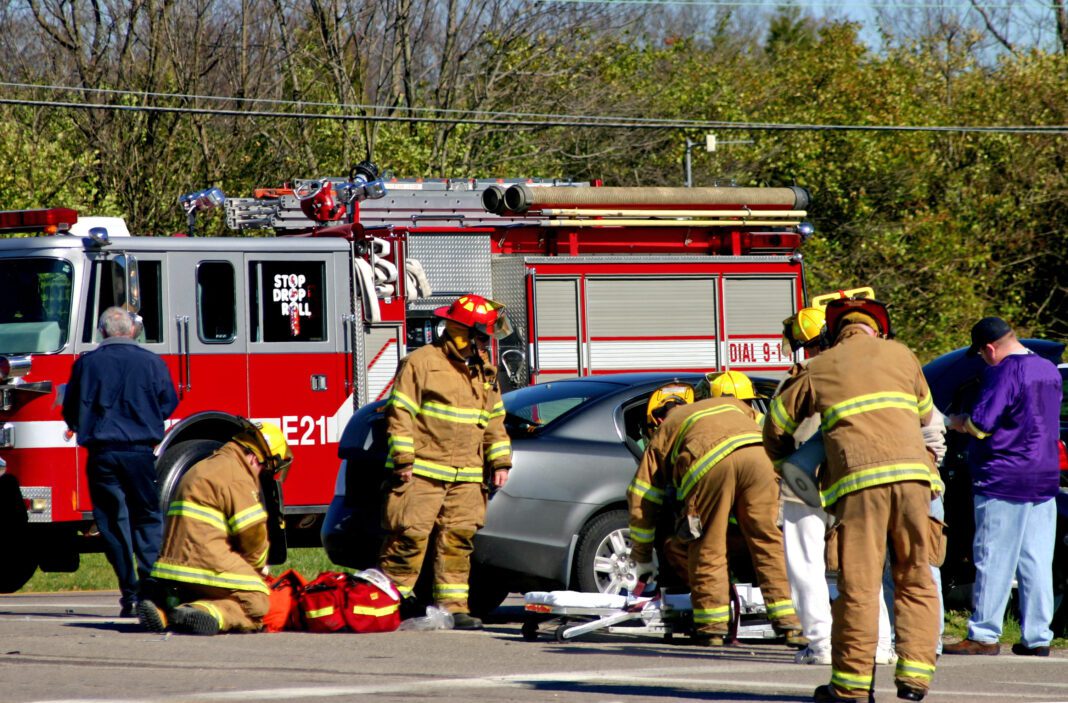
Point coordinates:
[(30, 493), (454, 263), (509, 288)]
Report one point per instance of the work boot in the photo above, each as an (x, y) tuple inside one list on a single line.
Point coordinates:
[(794, 638), (465, 621), (186, 618), (151, 617), (707, 639), (908, 693), (826, 694)]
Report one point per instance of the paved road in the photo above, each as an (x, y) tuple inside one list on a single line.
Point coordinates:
[(72, 648)]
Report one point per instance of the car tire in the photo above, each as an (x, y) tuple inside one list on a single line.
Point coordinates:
[(176, 461), (602, 560), (488, 590)]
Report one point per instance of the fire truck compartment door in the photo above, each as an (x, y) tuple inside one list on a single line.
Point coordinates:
[(208, 329), (300, 327), (651, 322)]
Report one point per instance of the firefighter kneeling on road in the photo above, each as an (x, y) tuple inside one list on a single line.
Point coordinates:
[(877, 481), (445, 421), (709, 455), (209, 577)]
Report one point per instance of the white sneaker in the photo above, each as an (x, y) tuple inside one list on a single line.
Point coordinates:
[(885, 656), (808, 655)]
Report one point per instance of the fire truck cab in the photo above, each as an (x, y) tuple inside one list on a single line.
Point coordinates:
[(302, 327)]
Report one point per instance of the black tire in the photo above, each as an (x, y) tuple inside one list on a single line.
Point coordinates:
[(603, 555), (488, 590), (18, 548), (18, 562), (178, 459)]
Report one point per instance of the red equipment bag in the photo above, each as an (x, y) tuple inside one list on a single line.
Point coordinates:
[(372, 603), (284, 612), (322, 603)]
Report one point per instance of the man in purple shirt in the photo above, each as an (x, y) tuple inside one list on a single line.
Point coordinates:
[(1014, 468)]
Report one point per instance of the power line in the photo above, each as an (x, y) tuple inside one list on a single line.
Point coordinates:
[(581, 121), (343, 106), (776, 4)]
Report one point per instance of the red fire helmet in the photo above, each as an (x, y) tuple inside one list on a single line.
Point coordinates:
[(480, 314), (838, 311)]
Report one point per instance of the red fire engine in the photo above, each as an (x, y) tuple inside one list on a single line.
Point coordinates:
[(302, 327)]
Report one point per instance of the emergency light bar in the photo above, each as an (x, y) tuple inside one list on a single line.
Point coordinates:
[(50, 221)]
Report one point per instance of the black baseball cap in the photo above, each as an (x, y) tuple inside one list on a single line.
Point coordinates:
[(987, 331)]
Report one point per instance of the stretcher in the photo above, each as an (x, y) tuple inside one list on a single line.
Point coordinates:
[(570, 614)]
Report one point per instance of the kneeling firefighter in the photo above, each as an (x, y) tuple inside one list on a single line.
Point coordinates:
[(709, 455), (209, 577), (445, 420)]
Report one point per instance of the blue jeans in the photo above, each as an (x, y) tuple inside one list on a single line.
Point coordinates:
[(122, 485), (1013, 539)]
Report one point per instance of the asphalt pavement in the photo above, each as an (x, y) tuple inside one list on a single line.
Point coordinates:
[(72, 648)]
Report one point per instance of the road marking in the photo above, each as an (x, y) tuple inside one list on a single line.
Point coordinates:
[(674, 677)]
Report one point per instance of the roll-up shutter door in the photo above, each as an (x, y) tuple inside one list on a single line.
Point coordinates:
[(557, 328), (651, 323), (754, 308)]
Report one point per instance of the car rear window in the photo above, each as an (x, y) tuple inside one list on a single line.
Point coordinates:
[(544, 403)]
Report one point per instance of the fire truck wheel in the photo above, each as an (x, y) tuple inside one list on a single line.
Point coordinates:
[(17, 565), (178, 459), (18, 549)]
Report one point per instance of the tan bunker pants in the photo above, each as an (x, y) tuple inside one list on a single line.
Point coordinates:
[(745, 482), (413, 510), (867, 519)]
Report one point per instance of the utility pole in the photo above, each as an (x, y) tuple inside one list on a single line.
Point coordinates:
[(711, 143)]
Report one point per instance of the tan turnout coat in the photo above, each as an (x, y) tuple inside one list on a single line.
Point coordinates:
[(216, 530)]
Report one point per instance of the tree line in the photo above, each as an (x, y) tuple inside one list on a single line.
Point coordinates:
[(117, 107)]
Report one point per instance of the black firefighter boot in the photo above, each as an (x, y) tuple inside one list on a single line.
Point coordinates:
[(465, 621)]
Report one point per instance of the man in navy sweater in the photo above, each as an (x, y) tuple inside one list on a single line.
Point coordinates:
[(117, 399)]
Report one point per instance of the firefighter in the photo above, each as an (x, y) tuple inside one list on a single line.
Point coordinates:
[(709, 455), (804, 527), (877, 482), (445, 421), (209, 577)]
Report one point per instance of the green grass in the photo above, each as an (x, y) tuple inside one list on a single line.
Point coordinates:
[(957, 627), (95, 573)]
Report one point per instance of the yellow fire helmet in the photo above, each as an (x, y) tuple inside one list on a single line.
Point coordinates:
[(807, 328), (666, 397), (267, 441), (727, 383)]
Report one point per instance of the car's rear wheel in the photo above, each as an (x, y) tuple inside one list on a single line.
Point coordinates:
[(602, 560)]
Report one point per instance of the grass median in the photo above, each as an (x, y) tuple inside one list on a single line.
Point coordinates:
[(95, 573)]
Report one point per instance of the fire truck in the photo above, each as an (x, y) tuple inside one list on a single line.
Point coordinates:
[(305, 322)]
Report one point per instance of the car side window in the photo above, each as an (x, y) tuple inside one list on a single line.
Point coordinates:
[(633, 423)]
